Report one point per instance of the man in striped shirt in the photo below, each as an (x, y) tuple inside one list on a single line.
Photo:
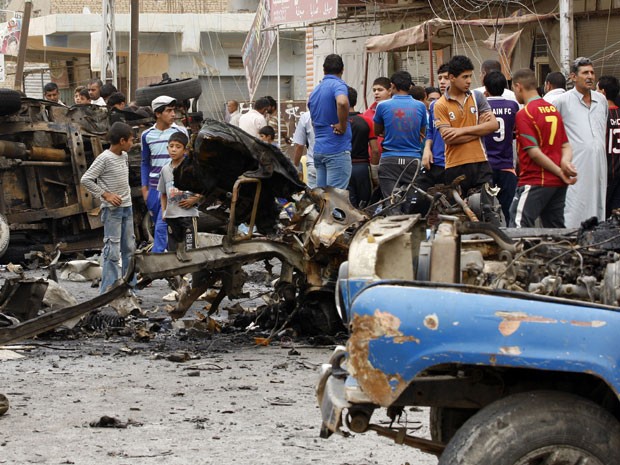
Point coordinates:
[(107, 179), (154, 157)]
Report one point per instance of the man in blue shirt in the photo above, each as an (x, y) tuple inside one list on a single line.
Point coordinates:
[(434, 159), (402, 121), (329, 111), (433, 155)]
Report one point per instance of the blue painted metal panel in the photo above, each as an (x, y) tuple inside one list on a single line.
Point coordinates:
[(447, 325)]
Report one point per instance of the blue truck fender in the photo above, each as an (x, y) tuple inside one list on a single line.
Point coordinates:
[(398, 330)]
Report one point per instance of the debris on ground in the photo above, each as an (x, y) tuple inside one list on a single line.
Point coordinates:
[(17, 269), (143, 335), (81, 271), (179, 357), (172, 296), (112, 422), (127, 305), (100, 321), (6, 354)]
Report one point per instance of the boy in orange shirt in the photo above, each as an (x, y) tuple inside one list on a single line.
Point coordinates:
[(463, 117)]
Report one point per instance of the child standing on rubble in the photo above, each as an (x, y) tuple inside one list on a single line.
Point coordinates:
[(108, 180), (179, 207)]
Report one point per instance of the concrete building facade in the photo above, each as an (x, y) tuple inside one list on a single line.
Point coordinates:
[(200, 39)]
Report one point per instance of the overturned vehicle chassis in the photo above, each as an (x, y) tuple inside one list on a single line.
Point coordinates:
[(311, 242), (45, 148)]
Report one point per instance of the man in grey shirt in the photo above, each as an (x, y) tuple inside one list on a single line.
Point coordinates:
[(584, 112)]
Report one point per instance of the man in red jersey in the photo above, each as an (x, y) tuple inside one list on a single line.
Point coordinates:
[(545, 158), (610, 87)]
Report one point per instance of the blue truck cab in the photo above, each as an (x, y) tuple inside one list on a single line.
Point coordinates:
[(516, 356)]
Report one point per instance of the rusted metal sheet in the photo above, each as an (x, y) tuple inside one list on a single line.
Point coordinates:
[(380, 386), (38, 215)]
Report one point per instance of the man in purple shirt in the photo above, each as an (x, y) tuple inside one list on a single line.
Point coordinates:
[(329, 111), (500, 152)]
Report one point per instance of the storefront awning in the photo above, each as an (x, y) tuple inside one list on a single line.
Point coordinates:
[(417, 34)]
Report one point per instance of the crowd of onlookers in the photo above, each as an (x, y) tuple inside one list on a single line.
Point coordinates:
[(538, 156), (96, 93)]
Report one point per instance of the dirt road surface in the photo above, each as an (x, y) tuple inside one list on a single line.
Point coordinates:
[(231, 402)]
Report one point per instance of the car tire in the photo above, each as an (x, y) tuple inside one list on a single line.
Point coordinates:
[(536, 427), (10, 102), (4, 404), (445, 422), (319, 316), (5, 234), (181, 89)]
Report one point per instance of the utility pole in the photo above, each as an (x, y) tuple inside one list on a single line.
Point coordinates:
[(23, 42), (134, 13), (566, 35), (108, 40)]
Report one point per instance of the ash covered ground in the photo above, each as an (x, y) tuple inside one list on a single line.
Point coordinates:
[(182, 394)]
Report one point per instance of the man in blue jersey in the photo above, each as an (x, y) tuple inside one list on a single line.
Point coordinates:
[(329, 110), (499, 145), (154, 157), (433, 154), (402, 122), (433, 157)]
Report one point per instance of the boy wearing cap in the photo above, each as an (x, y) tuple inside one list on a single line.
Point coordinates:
[(178, 207), (154, 157)]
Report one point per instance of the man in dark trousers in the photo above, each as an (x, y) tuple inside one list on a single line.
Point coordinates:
[(402, 122), (545, 158), (610, 87), (363, 137), (464, 117), (498, 144)]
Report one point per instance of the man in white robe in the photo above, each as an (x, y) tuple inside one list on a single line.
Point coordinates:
[(584, 112)]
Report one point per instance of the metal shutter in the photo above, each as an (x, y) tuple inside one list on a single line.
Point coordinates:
[(34, 80), (600, 43)]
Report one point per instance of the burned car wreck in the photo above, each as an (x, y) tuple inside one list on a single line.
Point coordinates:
[(45, 148), (248, 182)]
